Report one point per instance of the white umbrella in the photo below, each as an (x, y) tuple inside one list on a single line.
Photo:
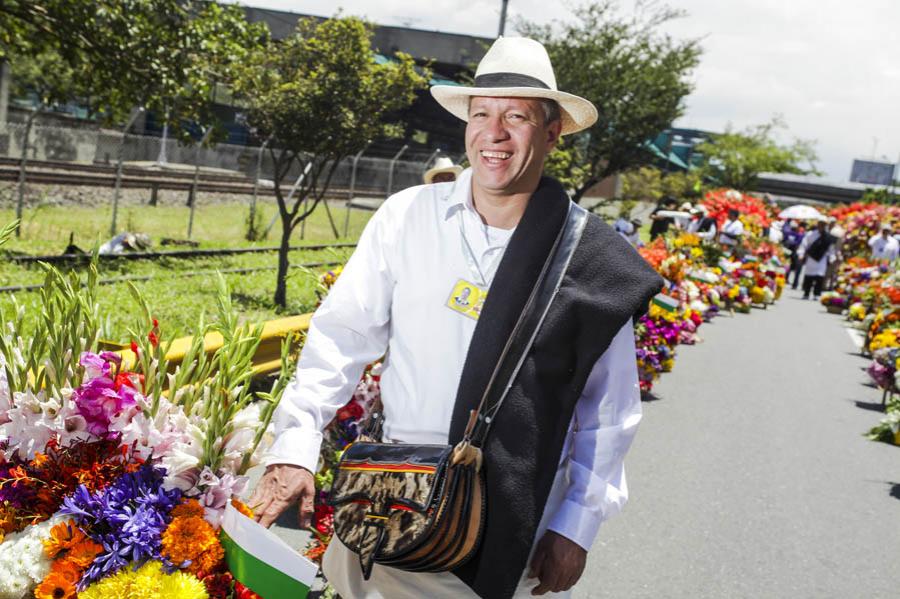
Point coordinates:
[(801, 212)]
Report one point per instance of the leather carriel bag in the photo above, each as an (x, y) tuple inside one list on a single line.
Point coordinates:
[(421, 508)]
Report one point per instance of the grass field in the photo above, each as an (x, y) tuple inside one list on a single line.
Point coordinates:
[(176, 300)]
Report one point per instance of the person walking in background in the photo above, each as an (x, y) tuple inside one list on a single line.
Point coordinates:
[(792, 236), (703, 226), (817, 251), (661, 223), (884, 246), (732, 230)]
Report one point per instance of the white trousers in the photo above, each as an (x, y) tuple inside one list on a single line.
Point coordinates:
[(341, 569)]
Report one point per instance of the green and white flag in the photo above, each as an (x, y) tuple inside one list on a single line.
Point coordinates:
[(261, 561), (666, 302)]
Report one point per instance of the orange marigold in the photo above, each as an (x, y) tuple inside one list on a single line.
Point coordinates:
[(241, 507), (62, 537), (82, 554), (188, 508), (60, 582), (191, 538)]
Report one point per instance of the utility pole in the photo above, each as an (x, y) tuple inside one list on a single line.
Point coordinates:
[(503, 18)]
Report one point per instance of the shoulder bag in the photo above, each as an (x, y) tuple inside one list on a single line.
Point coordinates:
[(421, 508)]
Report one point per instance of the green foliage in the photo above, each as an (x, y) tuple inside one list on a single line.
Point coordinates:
[(887, 196), (566, 163), (735, 159), (635, 75), (117, 54), (321, 96), (67, 325), (649, 184)]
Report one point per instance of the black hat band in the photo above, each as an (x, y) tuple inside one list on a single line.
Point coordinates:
[(509, 80)]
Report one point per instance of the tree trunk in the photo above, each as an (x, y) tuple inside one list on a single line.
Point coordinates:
[(576, 197), (283, 264)]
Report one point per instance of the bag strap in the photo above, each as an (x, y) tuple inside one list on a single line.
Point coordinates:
[(527, 326)]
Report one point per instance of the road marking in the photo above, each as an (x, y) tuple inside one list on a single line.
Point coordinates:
[(856, 337)]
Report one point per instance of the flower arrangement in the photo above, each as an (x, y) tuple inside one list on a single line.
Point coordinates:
[(116, 467)]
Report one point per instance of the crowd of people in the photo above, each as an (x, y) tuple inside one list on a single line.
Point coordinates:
[(814, 247)]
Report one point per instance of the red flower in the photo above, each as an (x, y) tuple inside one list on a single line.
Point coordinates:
[(134, 348), (153, 335), (242, 592)]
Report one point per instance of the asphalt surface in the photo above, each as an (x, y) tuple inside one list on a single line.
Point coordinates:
[(750, 476)]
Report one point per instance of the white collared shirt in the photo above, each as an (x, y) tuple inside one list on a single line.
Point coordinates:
[(884, 248), (391, 299), (731, 232)]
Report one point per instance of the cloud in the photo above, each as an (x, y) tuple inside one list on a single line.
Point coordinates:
[(829, 67)]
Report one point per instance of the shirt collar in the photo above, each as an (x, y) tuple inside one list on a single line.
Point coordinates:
[(460, 194)]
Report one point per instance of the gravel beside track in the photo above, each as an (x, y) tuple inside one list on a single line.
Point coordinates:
[(750, 476)]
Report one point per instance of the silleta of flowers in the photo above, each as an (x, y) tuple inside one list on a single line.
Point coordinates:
[(869, 292), (116, 467)]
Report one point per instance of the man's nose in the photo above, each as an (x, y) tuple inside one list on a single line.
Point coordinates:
[(496, 129)]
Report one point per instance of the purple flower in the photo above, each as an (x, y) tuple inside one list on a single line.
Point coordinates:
[(98, 399), (127, 518)]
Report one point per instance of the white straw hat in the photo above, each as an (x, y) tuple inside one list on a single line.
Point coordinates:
[(517, 67), (442, 165)]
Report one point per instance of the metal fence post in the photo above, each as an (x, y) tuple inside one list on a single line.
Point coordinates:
[(193, 197), (391, 172), (251, 227), (353, 187), (118, 187), (22, 165)]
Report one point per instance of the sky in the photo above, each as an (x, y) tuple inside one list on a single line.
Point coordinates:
[(829, 68)]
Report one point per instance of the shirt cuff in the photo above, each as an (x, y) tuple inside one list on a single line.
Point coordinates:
[(576, 523), (296, 446)]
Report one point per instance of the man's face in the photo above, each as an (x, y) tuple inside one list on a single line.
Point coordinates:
[(506, 142), (443, 178)]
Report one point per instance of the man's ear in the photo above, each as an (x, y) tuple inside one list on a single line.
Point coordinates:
[(554, 131)]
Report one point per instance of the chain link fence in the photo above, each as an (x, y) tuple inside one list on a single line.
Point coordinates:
[(104, 168)]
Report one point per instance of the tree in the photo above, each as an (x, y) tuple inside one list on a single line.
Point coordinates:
[(735, 159), (636, 76), (321, 96), (165, 55)]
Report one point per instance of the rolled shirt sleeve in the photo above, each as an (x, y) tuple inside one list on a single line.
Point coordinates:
[(348, 331), (606, 419)]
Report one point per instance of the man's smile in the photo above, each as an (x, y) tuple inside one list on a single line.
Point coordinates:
[(494, 157)]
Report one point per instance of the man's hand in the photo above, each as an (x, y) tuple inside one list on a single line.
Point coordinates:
[(557, 563), (279, 487)]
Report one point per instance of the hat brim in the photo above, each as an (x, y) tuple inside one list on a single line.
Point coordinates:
[(432, 173), (576, 113)]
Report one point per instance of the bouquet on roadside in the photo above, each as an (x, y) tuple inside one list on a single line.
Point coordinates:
[(116, 468)]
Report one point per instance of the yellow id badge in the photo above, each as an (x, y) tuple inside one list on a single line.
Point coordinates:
[(467, 299)]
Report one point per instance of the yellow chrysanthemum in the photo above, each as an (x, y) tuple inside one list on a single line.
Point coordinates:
[(150, 581)]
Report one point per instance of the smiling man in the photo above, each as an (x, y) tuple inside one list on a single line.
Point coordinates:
[(553, 458)]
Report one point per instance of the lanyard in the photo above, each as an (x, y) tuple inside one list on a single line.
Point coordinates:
[(469, 255)]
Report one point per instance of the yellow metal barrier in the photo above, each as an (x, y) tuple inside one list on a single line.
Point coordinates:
[(268, 354)]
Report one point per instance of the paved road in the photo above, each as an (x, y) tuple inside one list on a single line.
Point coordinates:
[(750, 477)]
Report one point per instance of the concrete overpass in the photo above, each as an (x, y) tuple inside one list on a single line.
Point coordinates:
[(811, 188)]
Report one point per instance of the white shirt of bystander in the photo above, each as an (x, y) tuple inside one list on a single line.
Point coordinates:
[(884, 248)]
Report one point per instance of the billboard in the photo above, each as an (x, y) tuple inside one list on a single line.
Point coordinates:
[(871, 172)]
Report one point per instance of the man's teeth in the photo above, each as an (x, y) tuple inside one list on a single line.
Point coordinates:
[(500, 155)]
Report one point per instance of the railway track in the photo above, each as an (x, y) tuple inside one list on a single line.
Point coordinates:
[(193, 273), (48, 172), (176, 254)]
